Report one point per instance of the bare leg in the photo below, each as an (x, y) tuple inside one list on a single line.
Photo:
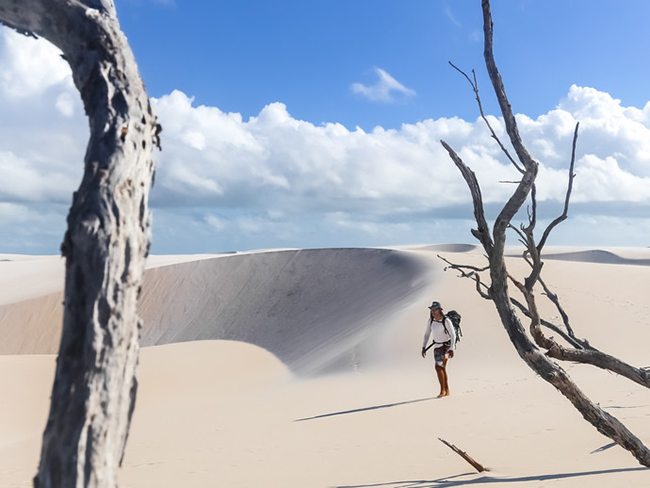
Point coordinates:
[(441, 371), (443, 379), (446, 381)]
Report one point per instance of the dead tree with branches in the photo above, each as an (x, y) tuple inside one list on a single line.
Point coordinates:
[(105, 245), (536, 349)]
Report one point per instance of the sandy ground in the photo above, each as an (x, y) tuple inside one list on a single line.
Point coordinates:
[(354, 407)]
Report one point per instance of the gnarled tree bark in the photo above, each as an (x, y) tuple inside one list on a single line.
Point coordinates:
[(105, 245), (498, 291)]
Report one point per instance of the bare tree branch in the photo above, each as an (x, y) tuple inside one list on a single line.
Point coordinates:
[(475, 464), (582, 351), (536, 276), (565, 318), (511, 124), (567, 198), (105, 245), (571, 340), (474, 274), (527, 350), (482, 233), (474, 86), (601, 360)]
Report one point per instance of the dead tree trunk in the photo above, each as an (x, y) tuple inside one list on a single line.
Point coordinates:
[(497, 291), (105, 246)]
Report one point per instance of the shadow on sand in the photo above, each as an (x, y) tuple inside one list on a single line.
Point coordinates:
[(365, 409), (452, 481)]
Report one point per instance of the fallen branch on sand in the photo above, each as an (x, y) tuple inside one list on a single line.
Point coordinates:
[(477, 466)]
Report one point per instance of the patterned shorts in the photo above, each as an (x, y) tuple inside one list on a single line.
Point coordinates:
[(440, 353)]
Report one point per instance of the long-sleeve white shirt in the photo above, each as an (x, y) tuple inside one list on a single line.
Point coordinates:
[(436, 330)]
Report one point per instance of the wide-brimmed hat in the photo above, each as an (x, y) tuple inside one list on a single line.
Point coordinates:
[(435, 305)]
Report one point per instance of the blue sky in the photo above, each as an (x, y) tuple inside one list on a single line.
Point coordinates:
[(316, 124), (241, 55)]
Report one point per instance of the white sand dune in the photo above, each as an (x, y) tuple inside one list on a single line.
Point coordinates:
[(25, 277), (598, 256), (447, 247), (310, 308), (252, 410)]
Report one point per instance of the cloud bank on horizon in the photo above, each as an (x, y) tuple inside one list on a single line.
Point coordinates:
[(228, 183)]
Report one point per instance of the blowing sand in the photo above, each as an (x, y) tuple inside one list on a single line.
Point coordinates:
[(302, 369)]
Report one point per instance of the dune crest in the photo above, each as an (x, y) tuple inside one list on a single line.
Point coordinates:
[(308, 307), (597, 256), (448, 248)]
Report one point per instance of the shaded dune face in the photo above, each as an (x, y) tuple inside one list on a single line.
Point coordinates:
[(448, 247), (597, 256), (310, 308), (32, 326)]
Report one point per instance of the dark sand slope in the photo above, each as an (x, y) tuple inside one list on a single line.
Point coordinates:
[(308, 307), (596, 256), (32, 326)]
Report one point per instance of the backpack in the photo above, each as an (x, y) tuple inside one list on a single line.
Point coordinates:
[(454, 317)]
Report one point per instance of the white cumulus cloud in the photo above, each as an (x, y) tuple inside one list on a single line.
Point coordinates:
[(383, 182), (386, 89), (30, 66), (276, 181)]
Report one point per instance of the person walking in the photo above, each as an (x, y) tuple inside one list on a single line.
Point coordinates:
[(441, 330)]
